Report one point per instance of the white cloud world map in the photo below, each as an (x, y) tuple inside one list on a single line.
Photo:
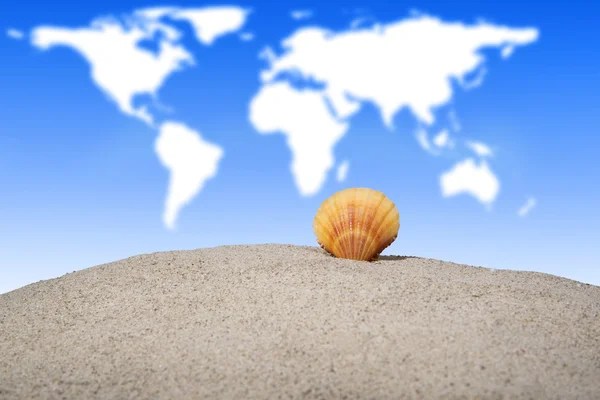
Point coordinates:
[(409, 64)]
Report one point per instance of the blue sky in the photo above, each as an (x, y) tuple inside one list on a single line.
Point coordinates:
[(81, 183)]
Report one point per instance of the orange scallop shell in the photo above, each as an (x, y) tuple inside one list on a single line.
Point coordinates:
[(356, 223)]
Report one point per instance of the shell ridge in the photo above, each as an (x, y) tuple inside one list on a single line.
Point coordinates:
[(339, 240), (372, 235), (353, 226), (331, 207), (346, 197), (374, 221), (349, 214), (363, 223), (331, 227), (376, 238), (348, 211), (322, 228)]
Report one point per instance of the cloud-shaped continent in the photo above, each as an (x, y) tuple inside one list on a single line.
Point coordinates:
[(191, 162), (468, 177), (311, 130)]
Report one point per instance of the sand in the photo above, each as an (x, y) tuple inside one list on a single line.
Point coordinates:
[(282, 321)]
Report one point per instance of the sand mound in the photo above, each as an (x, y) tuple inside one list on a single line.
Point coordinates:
[(270, 321)]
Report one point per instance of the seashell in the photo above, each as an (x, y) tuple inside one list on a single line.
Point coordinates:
[(356, 223)]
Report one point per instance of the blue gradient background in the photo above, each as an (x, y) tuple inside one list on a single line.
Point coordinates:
[(81, 184)]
